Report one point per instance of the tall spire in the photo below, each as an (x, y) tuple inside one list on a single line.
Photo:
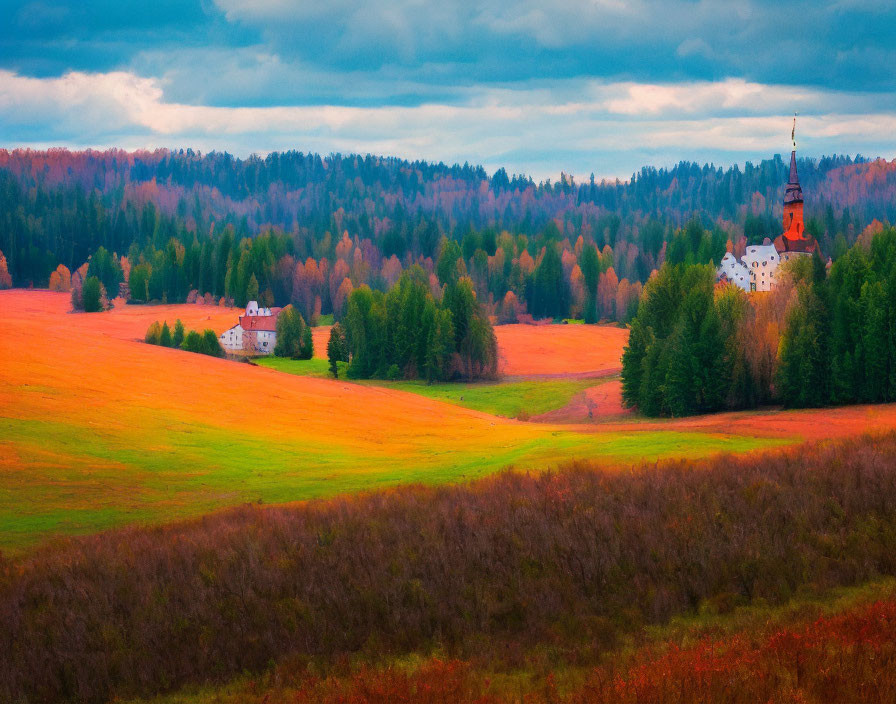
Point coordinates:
[(793, 193)]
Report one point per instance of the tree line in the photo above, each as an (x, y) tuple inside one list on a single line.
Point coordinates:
[(823, 336), (185, 225), (205, 342)]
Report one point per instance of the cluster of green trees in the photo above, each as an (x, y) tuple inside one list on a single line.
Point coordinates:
[(824, 336), (294, 337), (680, 355), (90, 296), (205, 342), (409, 333), (839, 345), (106, 267)]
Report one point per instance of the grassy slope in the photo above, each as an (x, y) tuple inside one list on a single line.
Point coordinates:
[(98, 429), (509, 399)]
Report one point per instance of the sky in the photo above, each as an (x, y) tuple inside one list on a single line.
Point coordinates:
[(536, 87)]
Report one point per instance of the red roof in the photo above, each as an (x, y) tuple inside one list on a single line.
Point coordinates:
[(260, 323), (788, 243)]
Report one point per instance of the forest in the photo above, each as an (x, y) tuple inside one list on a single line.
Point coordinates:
[(826, 335), (304, 229)]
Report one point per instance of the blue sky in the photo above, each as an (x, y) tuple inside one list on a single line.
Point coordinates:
[(581, 86)]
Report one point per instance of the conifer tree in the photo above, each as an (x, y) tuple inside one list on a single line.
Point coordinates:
[(447, 266), (337, 349), (178, 337), (165, 339), (192, 342), (153, 333), (252, 289), (633, 363), (210, 345), (92, 294), (550, 291), (307, 350), (290, 334), (803, 374), (439, 347), (589, 263)]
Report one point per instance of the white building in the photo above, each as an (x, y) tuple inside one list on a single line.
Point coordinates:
[(735, 272), (232, 339), (758, 268), (755, 271), (762, 262), (255, 332)]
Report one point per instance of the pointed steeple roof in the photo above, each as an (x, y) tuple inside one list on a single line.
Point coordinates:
[(793, 193)]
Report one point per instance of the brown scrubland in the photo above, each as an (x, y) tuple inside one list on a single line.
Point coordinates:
[(572, 562)]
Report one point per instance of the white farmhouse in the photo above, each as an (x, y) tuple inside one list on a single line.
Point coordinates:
[(232, 339), (259, 333), (255, 332)]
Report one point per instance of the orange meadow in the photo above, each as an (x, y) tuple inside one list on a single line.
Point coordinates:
[(99, 429), (585, 350)]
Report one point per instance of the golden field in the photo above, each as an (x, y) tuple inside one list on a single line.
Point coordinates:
[(99, 429)]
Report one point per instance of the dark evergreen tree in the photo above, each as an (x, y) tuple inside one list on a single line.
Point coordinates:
[(337, 349), (192, 342), (589, 263), (92, 295), (291, 334), (165, 339), (210, 345), (550, 291), (178, 337)]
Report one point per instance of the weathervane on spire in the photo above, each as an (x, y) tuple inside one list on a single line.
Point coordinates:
[(793, 131)]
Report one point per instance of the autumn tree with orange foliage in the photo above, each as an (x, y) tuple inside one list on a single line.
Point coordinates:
[(61, 279)]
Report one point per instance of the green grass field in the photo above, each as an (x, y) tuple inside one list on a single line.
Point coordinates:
[(103, 478), (510, 399), (318, 368)]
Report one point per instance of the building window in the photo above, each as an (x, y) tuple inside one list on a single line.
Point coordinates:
[(752, 286), (264, 344)]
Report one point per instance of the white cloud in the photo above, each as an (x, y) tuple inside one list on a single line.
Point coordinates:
[(608, 128)]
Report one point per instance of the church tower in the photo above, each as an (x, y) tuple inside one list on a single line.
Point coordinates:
[(794, 239), (793, 200)]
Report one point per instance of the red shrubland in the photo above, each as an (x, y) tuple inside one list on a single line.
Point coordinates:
[(490, 570), (845, 658)]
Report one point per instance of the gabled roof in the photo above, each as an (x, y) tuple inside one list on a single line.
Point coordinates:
[(259, 323)]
